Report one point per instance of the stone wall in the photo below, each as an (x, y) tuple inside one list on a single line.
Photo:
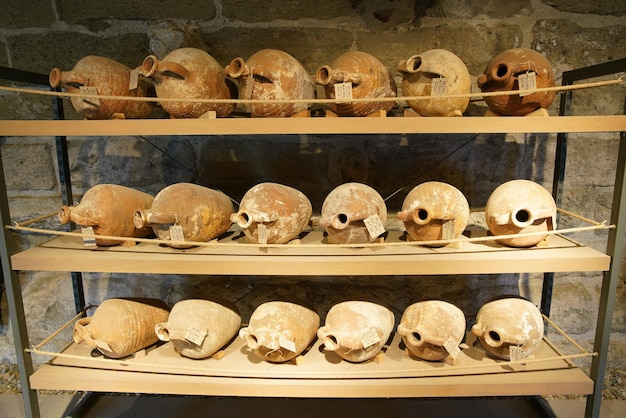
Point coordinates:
[(42, 34)]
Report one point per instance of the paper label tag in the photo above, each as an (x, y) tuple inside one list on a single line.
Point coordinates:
[(369, 338), (516, 353), (249, 87), (92, 91), (134, 79), (195, 336), (439, 87), (343, 90), (374, 226), (176, 233), (261, 230), (452, 348), (287, 344), (527, 81), (89, 237), (447, 229)]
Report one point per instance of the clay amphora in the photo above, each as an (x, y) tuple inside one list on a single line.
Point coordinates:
[(509, 322), (279, 331), (199, 328), (109, 78), (426, 327), (369, 79), (345, 210), (356, 330), (434, 211), (503, 73), (271, 74), (202, 213), (189, 73), (109, 209), (518, 207), (272, 213), (432, 73), (120, 327)]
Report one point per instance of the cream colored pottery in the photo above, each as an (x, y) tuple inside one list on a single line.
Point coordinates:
[(356, 330), (503, 73), (344, 210), (518, 207), (504, 323), (426, 327), (272, 213), (369, 79), (109, 209), (280, 331), (424, 74), (121, 327), (198, 328), (434, 211), (271, 74), (202, 213), (109, 78), (189, 73)]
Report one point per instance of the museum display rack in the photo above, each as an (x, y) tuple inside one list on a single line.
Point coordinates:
[(319, 374)]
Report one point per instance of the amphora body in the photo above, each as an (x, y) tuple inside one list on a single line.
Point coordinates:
[(356, 330), (279, 331), (509, 322), (198, 328), (436, 72), (271, 74), (519, 207), (109, 209), (121, 327), (434, 211), (109, 78)]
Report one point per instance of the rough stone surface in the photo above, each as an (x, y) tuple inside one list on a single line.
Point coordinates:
[(494, 9), (21, 14), (601, 7), (18, 160)]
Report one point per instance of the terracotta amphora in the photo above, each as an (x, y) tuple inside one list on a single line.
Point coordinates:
[(190, 73), (280, 331), (356, 330), (120, 327), (196, 212), (346, 211), (109, 210), (505, 73), (436, 72), (103, 76), (272, 213), (434, 211), (367, 78), (198, 328), (428, 327), (520, 207), (271, 74), (507, 324)]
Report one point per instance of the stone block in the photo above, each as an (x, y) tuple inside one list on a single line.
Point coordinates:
[(267, 11), (28, 167), (26, 14), (467, 9), (602, 7)]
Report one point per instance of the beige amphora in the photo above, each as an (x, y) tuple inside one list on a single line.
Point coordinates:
[(508, 71), (102, 76), (279, 331), (364, 76), (190, 73), (273, 213), (436, 72), (520, 207), (429, 328), (272, 74), (109, 210), (507, 324), (350, 213), (198, 328), (434, 211), (189, 211), (120, 327), (356, 330)]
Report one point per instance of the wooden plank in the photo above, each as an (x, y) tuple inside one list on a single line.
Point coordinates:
[(347, 125)]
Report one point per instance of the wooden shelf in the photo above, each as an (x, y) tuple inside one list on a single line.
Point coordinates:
[(235, 257), (319, 374), (313, 125)]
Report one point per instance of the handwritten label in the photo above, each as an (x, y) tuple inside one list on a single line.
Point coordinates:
[(195, 335), (439, 87), (287, 344), (374, 226), (91, 91), (134, 79), (369, 338), (261, 230), (527, 81), (447, 229), (89, 237), (452, 348), (176, 233), (249, 87), (516, 353), (343, 90)]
